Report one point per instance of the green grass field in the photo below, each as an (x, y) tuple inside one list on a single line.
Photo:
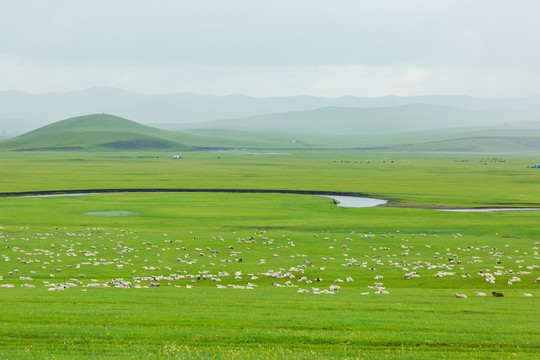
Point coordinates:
[(185, 242)]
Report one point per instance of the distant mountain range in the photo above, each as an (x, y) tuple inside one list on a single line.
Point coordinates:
[(404, 128), (21, 112), (187, 121)]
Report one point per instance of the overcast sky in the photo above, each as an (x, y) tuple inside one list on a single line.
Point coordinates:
[(484, 48)]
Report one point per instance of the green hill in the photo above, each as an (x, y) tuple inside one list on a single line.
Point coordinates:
[(95, 132)]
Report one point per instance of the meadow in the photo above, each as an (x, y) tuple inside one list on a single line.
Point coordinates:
[(264, 248)]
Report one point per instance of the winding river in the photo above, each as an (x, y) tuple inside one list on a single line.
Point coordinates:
[(343, 199)]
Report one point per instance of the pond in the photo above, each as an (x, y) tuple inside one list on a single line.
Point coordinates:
[(111, 213)]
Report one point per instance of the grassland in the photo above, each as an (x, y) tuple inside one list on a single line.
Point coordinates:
[(420, 318)]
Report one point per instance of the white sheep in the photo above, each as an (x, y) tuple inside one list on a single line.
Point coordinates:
[(478, 293), (460, 296)]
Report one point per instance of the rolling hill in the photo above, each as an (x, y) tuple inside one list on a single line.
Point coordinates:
[(371, 121), (417, 127), (478, 144), (95, 132)]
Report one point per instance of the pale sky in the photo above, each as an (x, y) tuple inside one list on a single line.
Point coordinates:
[(483, 48)]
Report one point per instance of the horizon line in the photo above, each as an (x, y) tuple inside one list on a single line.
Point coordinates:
[(259, 97)]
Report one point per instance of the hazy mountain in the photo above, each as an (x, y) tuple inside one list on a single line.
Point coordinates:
[(95, 132), (374, 121), (20, 112)]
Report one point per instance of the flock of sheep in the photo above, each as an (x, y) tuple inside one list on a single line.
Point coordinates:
[(61, 259)]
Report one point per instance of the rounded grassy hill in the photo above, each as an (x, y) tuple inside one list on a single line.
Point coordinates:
[(95, 132)]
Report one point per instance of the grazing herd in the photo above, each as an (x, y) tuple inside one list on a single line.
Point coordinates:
[(97, 258)]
